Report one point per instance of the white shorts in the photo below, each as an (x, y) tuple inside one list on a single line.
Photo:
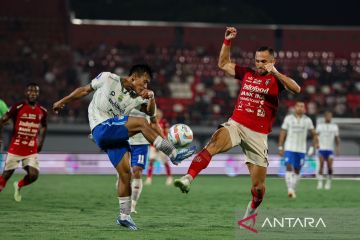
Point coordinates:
[(253, 144), (12, 161), (158, 155)]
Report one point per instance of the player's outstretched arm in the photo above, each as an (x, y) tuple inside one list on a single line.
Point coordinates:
[(224, 62), (78, 93), (288, 82)]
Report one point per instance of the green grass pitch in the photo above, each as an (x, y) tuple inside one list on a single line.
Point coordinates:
[(85, 207)]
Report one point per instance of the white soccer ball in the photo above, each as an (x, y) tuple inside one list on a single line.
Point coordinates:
[(180, 135)]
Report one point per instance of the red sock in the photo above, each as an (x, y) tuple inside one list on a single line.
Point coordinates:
[(257, 197), (200, 162), (2, 183), (150, 169), (167, 168), (23, 182)]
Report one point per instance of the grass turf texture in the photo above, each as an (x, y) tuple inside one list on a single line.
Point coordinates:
[(85, 207)]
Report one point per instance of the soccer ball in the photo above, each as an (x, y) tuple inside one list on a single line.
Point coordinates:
[(180, 135)]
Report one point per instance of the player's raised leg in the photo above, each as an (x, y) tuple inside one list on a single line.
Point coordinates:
[(124, 191), (258, 175), (219, 142)]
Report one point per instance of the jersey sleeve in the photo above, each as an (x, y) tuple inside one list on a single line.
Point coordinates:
[(99, 81), (13, 110), (337, 130), (285, 124), (318, 128), (44, 117), (240, 72)]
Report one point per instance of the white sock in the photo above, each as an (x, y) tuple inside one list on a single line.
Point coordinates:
[(136, 188), (125, 207), (288, 179), (320, 178), (296, 179), (165, 146)]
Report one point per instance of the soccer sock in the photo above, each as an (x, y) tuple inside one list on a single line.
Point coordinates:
[(257, 197), (168, 169), (320, 178), (2, 183), (23, 182), (125, 207), (288, 179), (165, 146), (136, 188), (200, 162), (150, 170), (295, 180)]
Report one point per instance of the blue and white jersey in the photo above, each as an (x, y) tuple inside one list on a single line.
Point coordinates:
[(296, 132), (110, 99), (327, 133), (138, 139)]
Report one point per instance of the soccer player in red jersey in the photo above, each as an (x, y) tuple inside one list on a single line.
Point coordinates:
[(251, 120), (158, 155), (29, 120)]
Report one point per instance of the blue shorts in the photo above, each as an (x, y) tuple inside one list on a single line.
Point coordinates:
[(326, 154), (139, 155), (295, 159), (112, 137)]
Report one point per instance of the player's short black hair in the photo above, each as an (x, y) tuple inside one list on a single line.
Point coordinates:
[(265, 48), (32, 84), (141, 69)]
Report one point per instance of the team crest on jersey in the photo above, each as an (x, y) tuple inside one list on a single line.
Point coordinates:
[(267, 81), (120, 98)]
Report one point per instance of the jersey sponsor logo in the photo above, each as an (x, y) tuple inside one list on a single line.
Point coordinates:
[(256, 89), (267, 81)]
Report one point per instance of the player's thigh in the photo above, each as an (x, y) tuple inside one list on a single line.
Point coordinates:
[(135, 124), (31, 162), (12, 161), (220, 141)]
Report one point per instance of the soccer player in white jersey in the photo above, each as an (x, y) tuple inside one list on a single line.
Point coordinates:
[(329, 141), (111, 126), (294, 129)]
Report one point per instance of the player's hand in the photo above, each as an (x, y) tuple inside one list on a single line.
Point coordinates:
[(147, 94), (230, 33), (270, 68), (58, 106)]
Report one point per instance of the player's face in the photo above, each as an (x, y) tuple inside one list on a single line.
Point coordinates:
[(300, 108), (261, 59), (32, 93), (140, 82), (328, 117)]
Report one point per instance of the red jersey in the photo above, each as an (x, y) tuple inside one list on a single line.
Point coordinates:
[(27, 121), (164, 125), (258, 100)]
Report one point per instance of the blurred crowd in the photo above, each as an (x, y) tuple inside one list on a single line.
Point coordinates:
[(187, 82)]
